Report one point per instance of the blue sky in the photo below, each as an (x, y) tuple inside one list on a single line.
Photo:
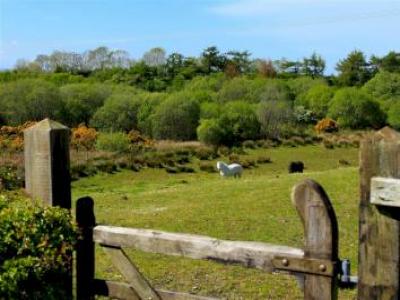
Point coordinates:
[(267, 28)]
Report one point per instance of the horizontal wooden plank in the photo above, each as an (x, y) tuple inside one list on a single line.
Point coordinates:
[(385, 191), (120, 290), (305, 265), (249, 254)]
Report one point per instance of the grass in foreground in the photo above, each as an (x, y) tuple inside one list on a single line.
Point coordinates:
[(255, 208)]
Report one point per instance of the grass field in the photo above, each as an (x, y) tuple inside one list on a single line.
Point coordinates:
[(255, 208)]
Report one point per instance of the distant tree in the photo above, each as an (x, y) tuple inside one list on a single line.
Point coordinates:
[(355, 109), (155, 57), (353, 70), (241, 60), (314, 65), (394, 114), (211, 132), (318, 98), (174, 64), (81, 102), (212, 60), (266, 69), (273, 116), (119, 113), (176, 118), (390, 62), (384, 86), (29, 100)]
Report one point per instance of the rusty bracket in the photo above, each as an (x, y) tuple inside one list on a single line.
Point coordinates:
[(305, 265)]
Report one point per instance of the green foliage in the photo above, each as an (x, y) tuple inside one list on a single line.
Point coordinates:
[(317, 99), (273, 117), (384, 86), (211, 132), (394, 115), (113, 142), (29, 100), (35, 251), (355, 109), (81, 102), (353, 70), (119, 112), (176, 118)]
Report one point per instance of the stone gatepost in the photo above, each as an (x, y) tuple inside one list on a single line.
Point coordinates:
[(47, 177)]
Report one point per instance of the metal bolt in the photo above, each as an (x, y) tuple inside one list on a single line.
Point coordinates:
[(285, 262), (322, 268)]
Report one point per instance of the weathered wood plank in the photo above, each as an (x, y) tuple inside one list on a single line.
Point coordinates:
[(249, 254), (379, 226), (385, 191), (120, 290), (320, 236), (131, 273)]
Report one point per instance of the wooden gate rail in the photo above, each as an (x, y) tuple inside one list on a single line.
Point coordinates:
[(318, 260)]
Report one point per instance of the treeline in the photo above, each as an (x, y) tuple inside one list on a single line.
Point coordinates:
[(217, 98)]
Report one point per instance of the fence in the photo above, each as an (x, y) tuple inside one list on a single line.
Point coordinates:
[(47, 164)]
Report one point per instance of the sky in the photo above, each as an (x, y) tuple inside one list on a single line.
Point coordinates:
[(269, 29)]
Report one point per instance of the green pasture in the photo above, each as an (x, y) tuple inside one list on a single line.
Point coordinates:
[(256, 207)]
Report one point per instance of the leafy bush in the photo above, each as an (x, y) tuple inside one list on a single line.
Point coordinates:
[(35, 251), (249, 144), (356, 109), (113, 142), (394, 115), (207, 167), (11, 177)]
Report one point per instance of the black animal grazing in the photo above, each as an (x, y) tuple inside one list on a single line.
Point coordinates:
[(296, 167)]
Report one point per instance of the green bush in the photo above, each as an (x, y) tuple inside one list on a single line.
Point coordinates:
[(355, 109), (35, 248), (394, 115), (11, 177), (249, 144), (113, 142)]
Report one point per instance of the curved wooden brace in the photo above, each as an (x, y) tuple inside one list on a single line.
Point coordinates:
[(320, 236)]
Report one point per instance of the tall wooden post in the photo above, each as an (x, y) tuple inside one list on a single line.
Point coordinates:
[(320, 238), (47, 175), (379, 226)]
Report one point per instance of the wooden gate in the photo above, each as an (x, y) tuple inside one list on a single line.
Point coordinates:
[(317, 262)]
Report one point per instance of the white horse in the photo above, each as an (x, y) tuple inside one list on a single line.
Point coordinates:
[(225, 170)]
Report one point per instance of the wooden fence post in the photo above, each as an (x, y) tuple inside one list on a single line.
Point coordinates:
[(320, 237), (46, 147), (85, 255), (379, 226)]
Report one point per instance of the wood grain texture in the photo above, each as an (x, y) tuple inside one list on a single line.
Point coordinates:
[(379, 234), (320, 236), (248, 254), (385, 191), (131, 273), (123, 291)]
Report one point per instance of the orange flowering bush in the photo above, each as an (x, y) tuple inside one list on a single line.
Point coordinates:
[(326, 125), (83, 137)]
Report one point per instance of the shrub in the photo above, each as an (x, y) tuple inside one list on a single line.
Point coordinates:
[(11, 177), (263, 160), (205, 153), (83, 138), (35, 251), (113, 142), (394, 115), (356, 109), (326, 125), (297, 140), (176, 118), (328, 144), (249, 144)]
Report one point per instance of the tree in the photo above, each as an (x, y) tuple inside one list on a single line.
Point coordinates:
[(314, 65), (317, 99), (390, 62), (176, 118), (155, 57), (119, 113), (241, 60), (81, 101), (174, 64), (211, 132), (212, 60), (355, 109), (353, 70), (266, 69), (384, 86), (394, 114), (273, 116), (29, 100)]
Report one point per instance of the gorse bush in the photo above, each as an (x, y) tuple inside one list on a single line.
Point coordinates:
[(113, 142), (35, 251)]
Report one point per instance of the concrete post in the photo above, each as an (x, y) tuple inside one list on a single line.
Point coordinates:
[(47, 163)]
